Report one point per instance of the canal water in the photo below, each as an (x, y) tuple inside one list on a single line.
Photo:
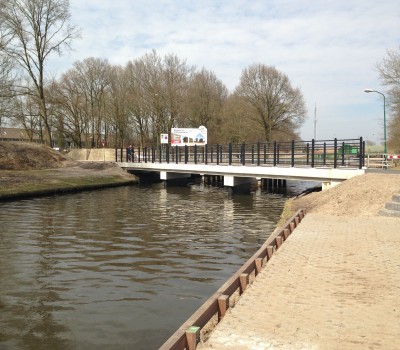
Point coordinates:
[(122, 268)]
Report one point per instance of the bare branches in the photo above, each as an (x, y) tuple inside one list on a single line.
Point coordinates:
[(271, 99), (389, 68), (31, 31), (389, 71)]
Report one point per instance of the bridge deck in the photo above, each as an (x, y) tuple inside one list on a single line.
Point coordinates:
[(321, 174)]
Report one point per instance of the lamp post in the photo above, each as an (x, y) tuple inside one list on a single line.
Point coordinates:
[(384, 116)]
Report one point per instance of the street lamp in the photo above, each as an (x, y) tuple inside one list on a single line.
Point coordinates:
[(384, 116)]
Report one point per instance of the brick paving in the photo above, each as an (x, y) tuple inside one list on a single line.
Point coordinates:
[(334, 284)]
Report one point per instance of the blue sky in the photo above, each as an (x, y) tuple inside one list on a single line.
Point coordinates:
[(329, 49)]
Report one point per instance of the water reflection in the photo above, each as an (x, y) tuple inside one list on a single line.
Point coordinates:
[(120, 268)]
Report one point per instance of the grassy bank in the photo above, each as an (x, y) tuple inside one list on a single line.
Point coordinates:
[(32, 183)]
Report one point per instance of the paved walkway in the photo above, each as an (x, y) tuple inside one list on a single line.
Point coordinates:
[(334, 284)]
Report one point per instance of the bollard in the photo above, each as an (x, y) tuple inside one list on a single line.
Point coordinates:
[(244, 281), (192, 337), (223, 306)]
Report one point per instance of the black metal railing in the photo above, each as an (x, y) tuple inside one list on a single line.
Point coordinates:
[(315, 153)]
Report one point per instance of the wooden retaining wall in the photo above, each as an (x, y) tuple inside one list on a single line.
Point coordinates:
[(188, 334)]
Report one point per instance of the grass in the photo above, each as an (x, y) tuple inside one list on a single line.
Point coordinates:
[(18, 184)]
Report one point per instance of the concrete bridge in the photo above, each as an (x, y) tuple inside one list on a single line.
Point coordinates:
[(235, 175), (328, 162)]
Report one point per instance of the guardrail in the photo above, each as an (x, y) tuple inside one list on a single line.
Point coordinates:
[(188, 334), (322, 153)]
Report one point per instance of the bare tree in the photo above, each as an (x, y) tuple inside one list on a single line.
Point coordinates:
[(389, 68), (32, 30), (69, 107), (204, 100), (147, 95), (94, 77), (117, 104), (389, 71), (270, 99), (159, 88), (176, 76), (7, 94)]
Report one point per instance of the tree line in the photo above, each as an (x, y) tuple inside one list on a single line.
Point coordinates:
[(96, 103), (389, 73)]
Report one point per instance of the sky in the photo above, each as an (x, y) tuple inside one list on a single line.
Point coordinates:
[(329, 49)]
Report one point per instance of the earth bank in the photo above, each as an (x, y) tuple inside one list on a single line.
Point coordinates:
[(28, 169)]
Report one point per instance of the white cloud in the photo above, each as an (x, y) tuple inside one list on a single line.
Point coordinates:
[(327, 48)]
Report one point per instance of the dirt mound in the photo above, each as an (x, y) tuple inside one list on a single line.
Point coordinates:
[(362, 195), (26, 156)]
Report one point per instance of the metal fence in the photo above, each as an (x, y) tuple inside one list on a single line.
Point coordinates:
[(315, 153)]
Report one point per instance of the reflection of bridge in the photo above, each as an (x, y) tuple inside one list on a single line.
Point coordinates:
[(328, 162)]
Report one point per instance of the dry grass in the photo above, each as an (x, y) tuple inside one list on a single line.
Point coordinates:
[(24, 156), (29, 169)]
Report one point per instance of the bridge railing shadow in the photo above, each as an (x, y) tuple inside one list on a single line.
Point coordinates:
[(315, 153)]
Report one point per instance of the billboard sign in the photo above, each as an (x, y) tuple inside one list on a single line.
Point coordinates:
[(188, 136), (164, 138)]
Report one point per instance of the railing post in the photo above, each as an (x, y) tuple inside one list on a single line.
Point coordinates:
[(145, 154), (265, 153), (206, 154), (258, 153), (160, 153), (278, 147), (116, 154), (361, 154), (230, 154), (167, 153), (121, 154), (324, 153), (243, 154), (308, 153), (312, 153), (342, 153), (217, 154), (195, 154), (252, 154), (275, 152), (335, 153), (292, 153), (192, 337), (186, 154), (220, 154)]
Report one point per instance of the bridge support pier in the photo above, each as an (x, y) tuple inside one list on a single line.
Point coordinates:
[(233, 181), (329, 184), (164, 175), (273, 183)]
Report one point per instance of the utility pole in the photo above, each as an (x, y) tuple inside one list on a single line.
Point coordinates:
[(315, 121)]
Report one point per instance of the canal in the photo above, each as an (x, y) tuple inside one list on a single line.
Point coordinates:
[(122, 268)]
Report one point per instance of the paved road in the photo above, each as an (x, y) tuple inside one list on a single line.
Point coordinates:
[(334, 284)]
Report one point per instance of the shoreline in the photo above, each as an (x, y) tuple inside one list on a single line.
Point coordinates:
[(72, 178)]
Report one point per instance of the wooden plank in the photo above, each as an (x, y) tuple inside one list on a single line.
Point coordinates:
[(259, 263), (192, 337), (223, 306), (270, 251), (244, 281), (286, 233), (278, 242)]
